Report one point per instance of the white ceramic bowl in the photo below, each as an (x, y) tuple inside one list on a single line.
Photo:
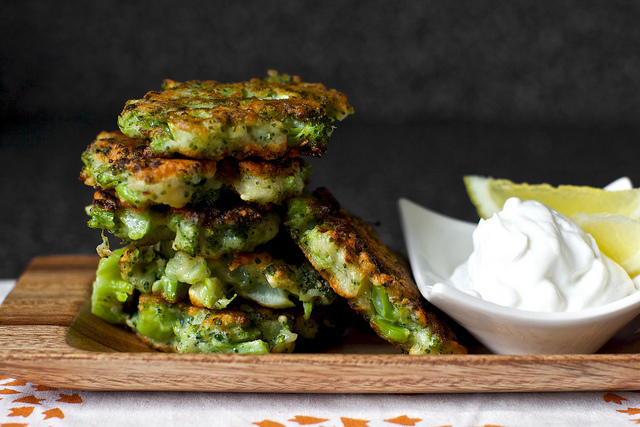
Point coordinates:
[(437, 244)]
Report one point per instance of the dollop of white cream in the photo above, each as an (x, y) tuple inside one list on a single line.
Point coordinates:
[(531, 257)]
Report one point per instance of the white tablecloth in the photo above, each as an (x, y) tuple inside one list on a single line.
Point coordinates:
[(28, 404)]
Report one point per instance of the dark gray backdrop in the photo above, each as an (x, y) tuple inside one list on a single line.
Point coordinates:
[(532, 91)]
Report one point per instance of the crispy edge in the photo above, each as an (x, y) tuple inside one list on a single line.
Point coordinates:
[(362, 246), (122, 153), (236, 215)]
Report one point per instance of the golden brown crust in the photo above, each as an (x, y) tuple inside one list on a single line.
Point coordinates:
[(221, 318), (303, 100), (279, 116), (232, 170), (211, 216), (245, 258), (141, 178), (121, 153), (208, 216), (362, 246), (268, 169), (360, 243)]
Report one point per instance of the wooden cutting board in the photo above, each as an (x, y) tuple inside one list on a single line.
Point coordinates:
[(48, 336)]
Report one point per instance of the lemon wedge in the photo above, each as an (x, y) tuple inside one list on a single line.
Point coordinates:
[(617, 237), (489, 194)]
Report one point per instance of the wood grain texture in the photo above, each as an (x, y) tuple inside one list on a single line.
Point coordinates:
[(48, 336)]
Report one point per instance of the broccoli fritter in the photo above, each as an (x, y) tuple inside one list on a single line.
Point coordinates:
[(184, 328), (209, 232), (251, 271), (206, 282), (139, 178), (359, 267), (269, 118), (181, 326)]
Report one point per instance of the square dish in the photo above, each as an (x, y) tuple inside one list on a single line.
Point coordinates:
[(49, 337)]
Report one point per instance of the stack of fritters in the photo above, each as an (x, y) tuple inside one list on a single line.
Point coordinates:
[(205, 185)]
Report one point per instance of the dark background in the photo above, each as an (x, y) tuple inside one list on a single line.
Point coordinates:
[(531, 91)]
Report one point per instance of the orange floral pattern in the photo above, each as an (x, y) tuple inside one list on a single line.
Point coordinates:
[(632, 411), (31, 404), (26, 404), (401, 420)]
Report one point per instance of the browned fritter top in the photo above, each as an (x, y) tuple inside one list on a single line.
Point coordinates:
[(361, 244), (120, 154), (363, 248), (279, 116), (141, 177)]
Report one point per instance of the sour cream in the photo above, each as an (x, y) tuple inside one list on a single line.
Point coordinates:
[(531, 257)]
